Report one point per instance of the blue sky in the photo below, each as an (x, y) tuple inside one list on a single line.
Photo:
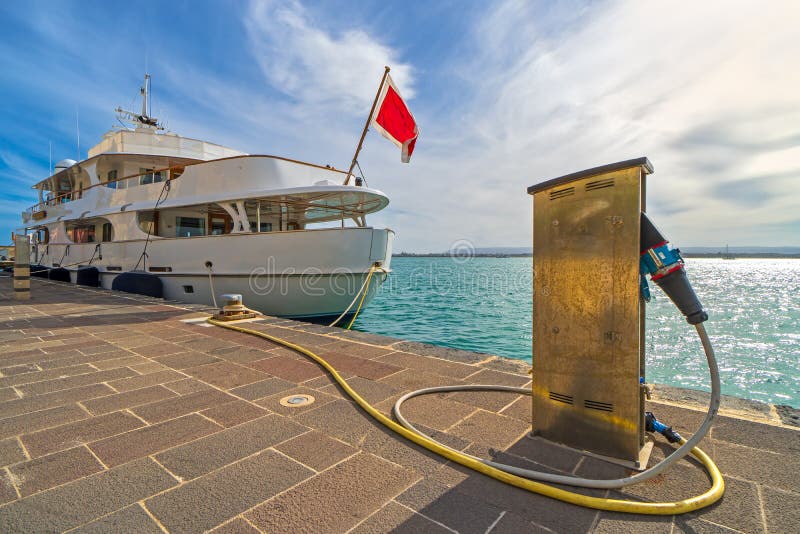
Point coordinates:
[(506, 94)]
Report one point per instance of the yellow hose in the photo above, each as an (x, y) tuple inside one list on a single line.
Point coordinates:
[(363, 296), (614, 505)]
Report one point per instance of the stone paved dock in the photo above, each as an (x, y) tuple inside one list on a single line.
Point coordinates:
[(118, 415)]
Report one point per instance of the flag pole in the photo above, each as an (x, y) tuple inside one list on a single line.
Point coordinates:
[(366, 126)]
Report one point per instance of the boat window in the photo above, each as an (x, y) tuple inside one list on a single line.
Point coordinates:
[(111, 179), (42, 235), (108, 232), (265, 227), (291, 226), (218, 225), (81, 234), (148, 222), (189, 226), (145, 177)]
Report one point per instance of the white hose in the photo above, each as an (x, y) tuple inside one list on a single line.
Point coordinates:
[(647, 474), (211, 285)]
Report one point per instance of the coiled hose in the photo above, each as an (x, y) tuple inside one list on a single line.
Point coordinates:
[(491, 469)]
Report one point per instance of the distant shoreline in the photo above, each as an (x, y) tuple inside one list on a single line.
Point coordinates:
[(718, 255)]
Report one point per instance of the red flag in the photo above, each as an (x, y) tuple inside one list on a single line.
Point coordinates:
[(394, 121)]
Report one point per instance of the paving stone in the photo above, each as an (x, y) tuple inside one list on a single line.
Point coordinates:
[(410, 380), (545, 453), (141, 381), (366, 337), (98, 377), (52, 400), (84, 500), (78, 358), (147, 440), (491, 429), (762, 466), (234, 413), (123, 361), (462, 513), (289, 369), (237, 526), (550, 513), (53, 470), (232, 490), (159, 349), (149, 367), (242, 355), (175, 407), (130, 519), (365, 368), (185, 360), (206, 344), (372, 391), (128, 399), (75, 344), (512, 524), (188, 386), (263, 388), (398, 519), (226, 375), (32, 422), (429, 364), (212, 452), (613, 522), (348, 491), (21, 355), (382, 442), (7, 394), (489, 376), (435, 411), (782, 509), (340, 419), (73, 434), (757, 435), (7, 491), (491, 401), (19, 369), (443, 353), (692, 525), (40, 376), (316, 450), (521, 409), (11, 452)]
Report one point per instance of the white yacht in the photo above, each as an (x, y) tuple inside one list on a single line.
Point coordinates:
[(206, 220)]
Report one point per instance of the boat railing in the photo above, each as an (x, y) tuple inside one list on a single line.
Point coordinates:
[(172, 172)]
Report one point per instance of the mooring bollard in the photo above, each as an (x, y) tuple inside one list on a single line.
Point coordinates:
[(22, 268)]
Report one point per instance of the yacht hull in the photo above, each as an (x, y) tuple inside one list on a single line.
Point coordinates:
[(297, 274)]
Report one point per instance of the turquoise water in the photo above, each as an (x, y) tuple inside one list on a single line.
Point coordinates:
[(484, 305)]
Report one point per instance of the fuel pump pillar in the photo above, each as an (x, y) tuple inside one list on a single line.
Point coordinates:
[(588, 311)]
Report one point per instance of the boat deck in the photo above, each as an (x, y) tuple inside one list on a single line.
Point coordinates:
[(117, 415)]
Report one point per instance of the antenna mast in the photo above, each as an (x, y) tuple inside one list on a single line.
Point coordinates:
[(143, 91), (78, 132)]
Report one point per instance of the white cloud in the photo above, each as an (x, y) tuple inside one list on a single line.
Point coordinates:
[(319, 68)]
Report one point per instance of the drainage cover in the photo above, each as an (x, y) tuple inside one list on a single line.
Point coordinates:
[(295, 401)]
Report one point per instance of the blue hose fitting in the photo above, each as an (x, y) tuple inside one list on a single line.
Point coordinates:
[(654, 425)]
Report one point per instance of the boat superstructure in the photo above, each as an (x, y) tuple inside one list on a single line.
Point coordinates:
[(286, 234)]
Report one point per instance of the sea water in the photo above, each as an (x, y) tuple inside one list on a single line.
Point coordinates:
[(484, 305)]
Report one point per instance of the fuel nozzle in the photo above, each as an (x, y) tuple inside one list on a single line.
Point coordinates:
[(651, 424), (664, 264)]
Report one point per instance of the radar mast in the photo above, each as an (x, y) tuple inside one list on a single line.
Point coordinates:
[(143, 119)]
